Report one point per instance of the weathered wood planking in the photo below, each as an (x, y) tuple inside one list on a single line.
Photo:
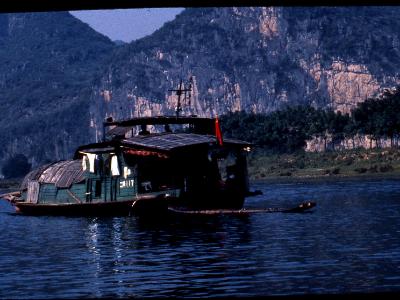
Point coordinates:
[(33, 191)]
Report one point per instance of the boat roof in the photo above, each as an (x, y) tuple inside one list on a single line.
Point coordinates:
[(166, 142), (61, 173), (172, 141)]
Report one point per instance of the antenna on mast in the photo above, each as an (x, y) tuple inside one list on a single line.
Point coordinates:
[(179, 92)]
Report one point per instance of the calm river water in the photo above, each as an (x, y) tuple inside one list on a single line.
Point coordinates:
[(350, 243)]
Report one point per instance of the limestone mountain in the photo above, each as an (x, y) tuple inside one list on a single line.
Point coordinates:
[(256, 59), (54, 68)]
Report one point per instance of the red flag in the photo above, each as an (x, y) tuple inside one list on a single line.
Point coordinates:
[(218, 133)]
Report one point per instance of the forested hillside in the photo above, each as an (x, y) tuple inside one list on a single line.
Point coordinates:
[(47, 67)]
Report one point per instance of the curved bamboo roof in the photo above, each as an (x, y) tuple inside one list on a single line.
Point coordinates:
[(62, 173)]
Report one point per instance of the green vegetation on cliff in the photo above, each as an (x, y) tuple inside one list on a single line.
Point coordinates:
[(283, 131), (287, 130)]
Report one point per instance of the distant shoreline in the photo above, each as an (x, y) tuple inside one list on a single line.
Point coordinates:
[(330, 178), (10, 183), (333, 165)]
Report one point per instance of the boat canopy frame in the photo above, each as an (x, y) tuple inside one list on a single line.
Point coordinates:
[(199, 125)]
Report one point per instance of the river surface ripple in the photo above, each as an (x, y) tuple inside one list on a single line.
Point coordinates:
[(349, 243)]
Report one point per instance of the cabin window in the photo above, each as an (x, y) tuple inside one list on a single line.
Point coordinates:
[(107, 164), (93, 162), (88, 162), (99, 164), (97, 189), (114, 166), (85, 163), (155, 175), (227, 167), (127, 172)]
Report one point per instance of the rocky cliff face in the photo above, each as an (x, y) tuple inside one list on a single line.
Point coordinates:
[(327, 143), (255, 59)]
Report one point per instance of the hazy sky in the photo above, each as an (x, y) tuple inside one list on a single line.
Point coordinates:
[(127, 24)]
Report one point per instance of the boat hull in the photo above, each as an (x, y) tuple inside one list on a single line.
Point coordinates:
[(141, 205), (118, 208)]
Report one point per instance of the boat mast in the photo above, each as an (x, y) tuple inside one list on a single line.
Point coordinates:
[(179, 92)]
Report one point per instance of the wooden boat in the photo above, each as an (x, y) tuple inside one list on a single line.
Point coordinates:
[(191, 167)]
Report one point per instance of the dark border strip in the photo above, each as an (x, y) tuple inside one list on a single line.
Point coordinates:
[(68, 5)]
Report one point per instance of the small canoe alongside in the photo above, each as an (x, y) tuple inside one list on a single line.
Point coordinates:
[(298, 209)]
